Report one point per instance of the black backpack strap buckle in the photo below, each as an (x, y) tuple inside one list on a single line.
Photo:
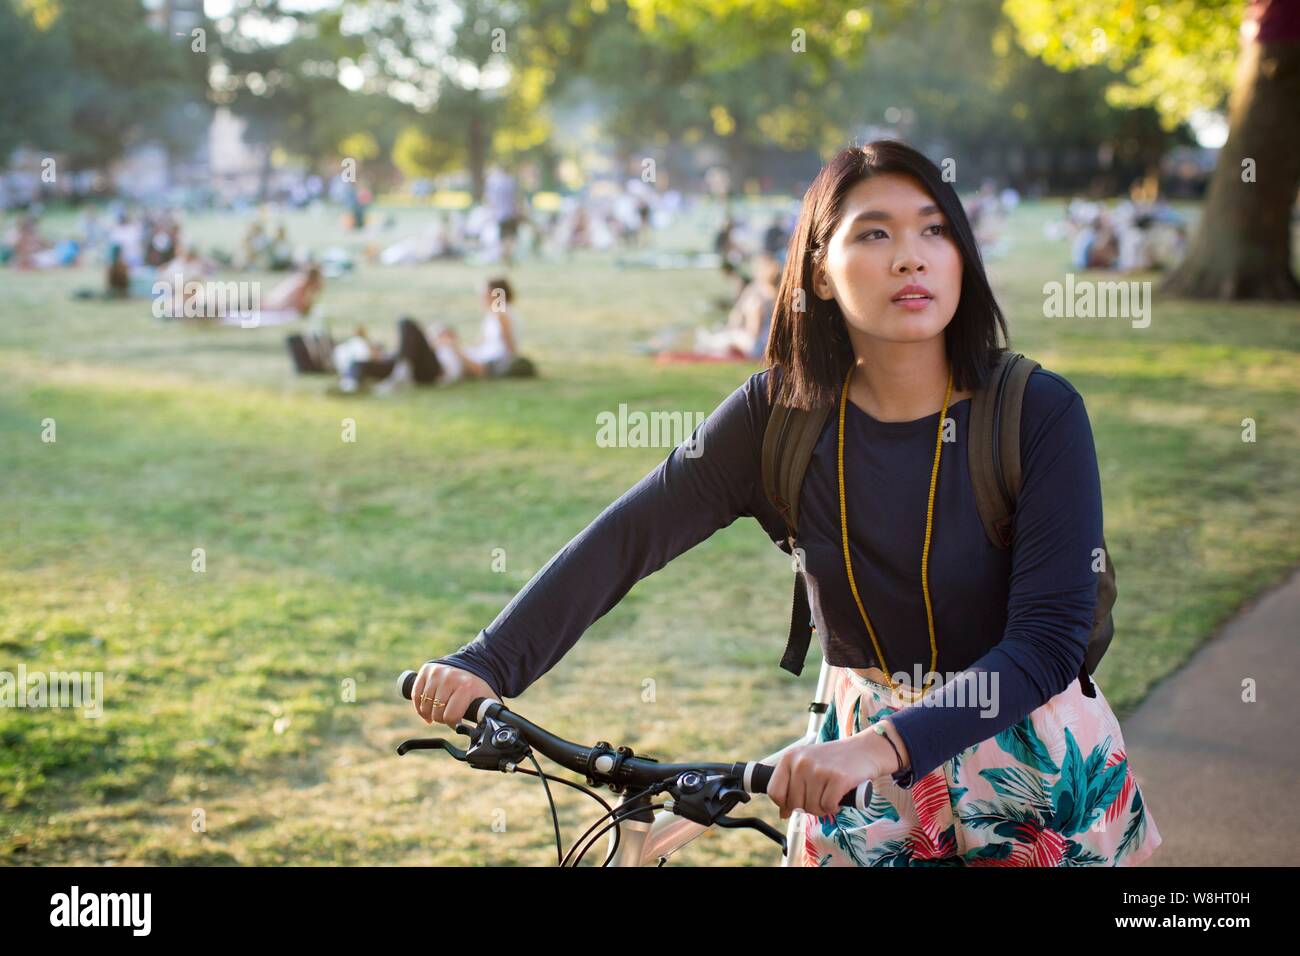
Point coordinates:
[(1085, 681), (796, 647)]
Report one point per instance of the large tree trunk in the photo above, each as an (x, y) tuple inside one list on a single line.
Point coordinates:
[(477, 147), (739, 156), (1242, 247), (264, 174)]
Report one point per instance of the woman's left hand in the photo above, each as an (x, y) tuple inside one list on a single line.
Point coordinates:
[(814, 777)]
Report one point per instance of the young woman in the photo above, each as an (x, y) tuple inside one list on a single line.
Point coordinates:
[(885, 314), (749, 321), (293, 297), (492, 355), (443, 361)]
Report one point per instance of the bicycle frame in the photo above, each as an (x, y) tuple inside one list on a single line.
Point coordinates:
[(643, 843)]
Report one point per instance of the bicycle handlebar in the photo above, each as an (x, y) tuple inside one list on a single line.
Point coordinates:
[(602, 764)]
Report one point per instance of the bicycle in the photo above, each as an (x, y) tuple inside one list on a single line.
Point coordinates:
[(701, 795)]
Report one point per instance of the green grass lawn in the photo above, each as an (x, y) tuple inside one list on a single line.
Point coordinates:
[(330, 562)]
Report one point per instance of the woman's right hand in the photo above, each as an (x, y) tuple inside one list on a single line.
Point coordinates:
[(452, 687)]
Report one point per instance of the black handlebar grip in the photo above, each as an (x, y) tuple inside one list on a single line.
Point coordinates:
[(405, 682), (758, 775)]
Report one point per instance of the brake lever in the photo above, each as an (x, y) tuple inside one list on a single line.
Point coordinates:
[(441, 743), (753, 823), (430, 743)]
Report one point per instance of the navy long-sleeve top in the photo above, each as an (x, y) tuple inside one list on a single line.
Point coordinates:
[(1022, 614)]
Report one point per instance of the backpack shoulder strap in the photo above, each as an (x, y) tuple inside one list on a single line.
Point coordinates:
[(993, 446), (788, 444)]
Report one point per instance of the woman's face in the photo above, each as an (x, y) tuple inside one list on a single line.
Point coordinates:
[(891, 235)]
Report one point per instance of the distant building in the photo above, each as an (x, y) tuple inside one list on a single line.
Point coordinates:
[(175, 17), (235, 167)]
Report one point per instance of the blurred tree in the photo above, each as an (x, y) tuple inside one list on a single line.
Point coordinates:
[(949, 76), (1178, 56), (940, 73), (279, 72), (87, 77), (418, 154), (730, 33), (753, 77), (640, 86), (759, 75), (451, 62), (746, 78), (124, 78), (33, 109)]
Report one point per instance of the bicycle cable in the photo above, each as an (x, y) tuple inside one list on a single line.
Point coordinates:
[(609, 812), (576, 786), (555, 816), (614, 822)]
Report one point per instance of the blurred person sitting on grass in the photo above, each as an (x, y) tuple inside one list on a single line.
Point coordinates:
[(436, 355), (188, 264), (280, 251), (294, 297), (491, 356), (256, 246), (23, 245), (750, 319), (120, 280)]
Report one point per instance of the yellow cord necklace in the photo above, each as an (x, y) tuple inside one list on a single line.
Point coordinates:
[(925, 551)]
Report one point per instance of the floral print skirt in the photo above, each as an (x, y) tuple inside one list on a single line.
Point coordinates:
[(1055, 789)]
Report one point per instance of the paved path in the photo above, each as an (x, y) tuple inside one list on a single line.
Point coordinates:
[(1219, 774)]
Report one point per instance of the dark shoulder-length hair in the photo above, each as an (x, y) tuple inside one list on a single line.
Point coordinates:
[(809, 341)]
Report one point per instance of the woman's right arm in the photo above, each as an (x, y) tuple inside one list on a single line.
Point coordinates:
[(703, 485)]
